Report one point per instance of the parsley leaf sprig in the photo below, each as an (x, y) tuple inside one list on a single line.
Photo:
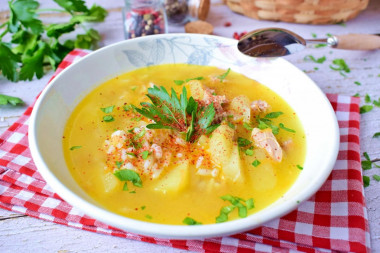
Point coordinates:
[(33, 45), (182, 114)]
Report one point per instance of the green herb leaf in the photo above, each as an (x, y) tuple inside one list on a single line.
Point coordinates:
[(256, 163), (249, 203), (365, 154), (366, 108), (366, 181), (179, 82), (232, 126), (132, 192), (75, 147), (242, 142), (190, 221), (145, 154), (366, 165), (247, 126), (223, 76), (285, 128), (148, 216), (171, 112), (127, 107), (367, 98), (249, 152), (375, 135), (319, 60), (129, 175), (320, 45), (125, 187), (72, 5), (108, 109), (211, 129), (194, 78), (143, 207), (357, 83), (356, 95), (132, 154), (118, 164), (8, 62), (376, 177), (299, 167), (340, 65), (376, 102), (108, 118), (314, 35), (4, 100), (273, 115)]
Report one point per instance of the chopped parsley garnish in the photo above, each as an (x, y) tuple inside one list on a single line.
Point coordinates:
[(249, 152), (366, 108), (366, 181), (148, 216), (376, 102), (133, 88), (313, 35), (224, 75), (247, 126), (125, 187), (4, 99), (127, 107), (236, 202), (139, 134), (118, 164), (273, 115), (256, 163), (108, 118), (285, 128), (145, 154), (367, 163), (242, 142), (143, 207), (367, 98), (129, 175), (182, 114), (320, 45), (132, 154), (132, 192), (179, 82), (230, 125), (356, 95), (340, 65), (376, 135), (75, 147), (376, 177), (357, 83), (299, 167), (108, 109), (190, 221), (319, 60)]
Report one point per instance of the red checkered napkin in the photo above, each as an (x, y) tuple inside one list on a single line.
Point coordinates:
[(334, 219)]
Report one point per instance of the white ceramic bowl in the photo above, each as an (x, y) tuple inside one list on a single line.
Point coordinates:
[(58, 100)]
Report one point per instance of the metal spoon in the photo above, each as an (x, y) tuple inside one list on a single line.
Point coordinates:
[(273, 42)]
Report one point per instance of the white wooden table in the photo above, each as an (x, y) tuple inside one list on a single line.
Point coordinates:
[(20, 233)]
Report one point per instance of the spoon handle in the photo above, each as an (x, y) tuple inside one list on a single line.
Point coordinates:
[(357, 41)]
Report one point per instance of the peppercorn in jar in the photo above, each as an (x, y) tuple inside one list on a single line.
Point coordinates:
[(144, 17)]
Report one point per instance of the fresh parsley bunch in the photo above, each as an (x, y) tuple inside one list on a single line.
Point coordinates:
[(33, 45)]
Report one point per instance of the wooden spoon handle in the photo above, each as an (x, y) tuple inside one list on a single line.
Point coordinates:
[(358, 41)]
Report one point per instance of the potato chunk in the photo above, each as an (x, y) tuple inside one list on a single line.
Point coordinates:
[(196, 89), (240, 108), (111, 183), (175, 181), (225, 153), (221, 144)]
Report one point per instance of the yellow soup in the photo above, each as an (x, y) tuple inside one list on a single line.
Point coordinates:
[(211, 147)]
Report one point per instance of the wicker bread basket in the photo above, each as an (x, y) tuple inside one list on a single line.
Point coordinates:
[(299, 11)]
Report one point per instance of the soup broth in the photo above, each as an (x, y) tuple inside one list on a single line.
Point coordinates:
[(238, 151)]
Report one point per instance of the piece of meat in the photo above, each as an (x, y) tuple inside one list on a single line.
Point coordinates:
[(258, 106), (266, 140)]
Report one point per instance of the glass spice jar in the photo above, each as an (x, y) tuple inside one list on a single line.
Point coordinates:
[(144, 17), (179, 12)]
